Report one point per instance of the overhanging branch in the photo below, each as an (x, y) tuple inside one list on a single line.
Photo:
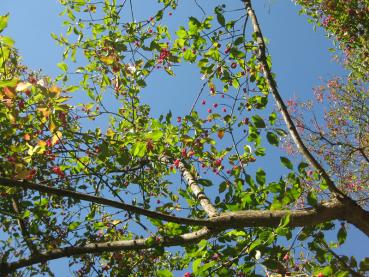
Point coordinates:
[(250, 218), (99, 200)]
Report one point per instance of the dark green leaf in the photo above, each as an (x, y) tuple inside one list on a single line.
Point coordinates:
[(286, 162), (205, 182), (258, 121), (273, 138)]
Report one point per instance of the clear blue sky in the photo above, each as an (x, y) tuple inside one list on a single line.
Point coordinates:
[(300, 58)]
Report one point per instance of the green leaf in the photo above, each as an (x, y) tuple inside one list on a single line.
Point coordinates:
[(285, 220), (181, 33), (342, 234), (302, 167), (258, 121), (155, 135), (239, 40), (286, 162), (272, 118), (8, 83), (26, 214), (312, 199), (221, 19), (222, 187), (63, 66), (196, 265), (260, 151), (260, 176), (3, 22), (272, 138), (139, 149), (205, 182), (164, 273), (73, 225), (364, 265)]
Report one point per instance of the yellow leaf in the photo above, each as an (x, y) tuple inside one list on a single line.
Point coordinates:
[(107, 60), (109, 132), (45, 112), (52, 126), (55, 90), (12, 118), (42, 143), (56, 137)]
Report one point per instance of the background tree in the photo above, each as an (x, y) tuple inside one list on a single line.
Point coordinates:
[(104, 194)]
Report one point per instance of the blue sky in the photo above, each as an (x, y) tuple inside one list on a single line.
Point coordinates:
[(300, 58)]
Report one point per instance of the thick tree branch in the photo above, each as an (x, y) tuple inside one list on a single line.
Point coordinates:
[(99, 200), (325, 212)]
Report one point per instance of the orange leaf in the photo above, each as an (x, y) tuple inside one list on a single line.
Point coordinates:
[(9, 92), (221, 134)]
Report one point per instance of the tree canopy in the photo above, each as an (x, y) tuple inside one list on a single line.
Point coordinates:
[(89, 174)]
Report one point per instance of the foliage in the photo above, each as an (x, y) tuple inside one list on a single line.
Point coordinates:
[(347, 22), (97, 181)]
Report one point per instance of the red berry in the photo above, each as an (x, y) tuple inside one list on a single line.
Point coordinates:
[(286, 257), (215, 105), (320, 274), (234, 65), (179, 119), (187, 274), (209, 110), (58, 171), (184, 153), (176, 163), (218, 162), (203, 102)]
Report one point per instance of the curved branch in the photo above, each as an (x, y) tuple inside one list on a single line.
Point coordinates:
[(103, 201)]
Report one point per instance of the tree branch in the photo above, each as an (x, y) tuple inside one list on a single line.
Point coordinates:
[(100, 247), (103, 201), (241, 219), (23, 225), (281, 105), (361, 218), (196, 190)]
